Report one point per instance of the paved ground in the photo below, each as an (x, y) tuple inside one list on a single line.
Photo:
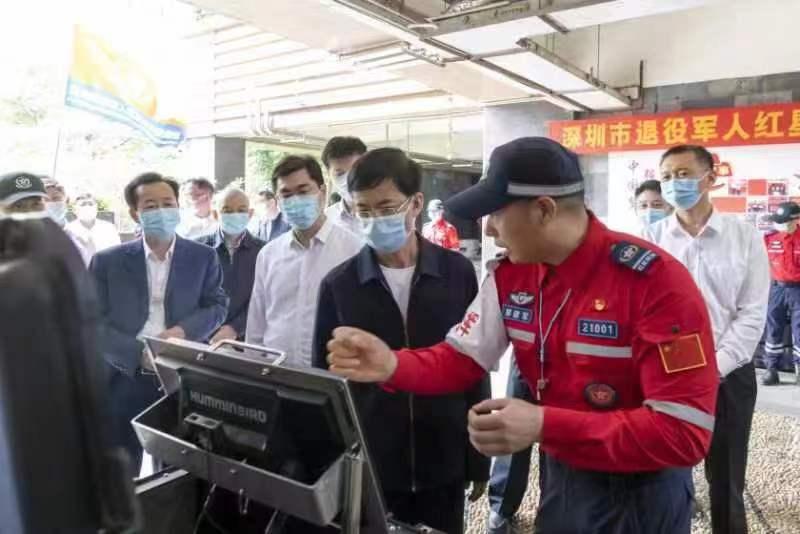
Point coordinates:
[(773, 479)]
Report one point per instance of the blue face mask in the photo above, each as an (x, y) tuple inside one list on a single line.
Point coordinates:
[(234, 223), (301, 211), (683, 193), (652, 215), (386, 235), (57, 211), (160, 223)]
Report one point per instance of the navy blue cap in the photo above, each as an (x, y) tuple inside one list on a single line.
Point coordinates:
[(527, 167), (16, 186), (785, 212)]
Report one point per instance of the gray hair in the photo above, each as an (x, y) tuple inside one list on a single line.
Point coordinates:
[(222, 196)]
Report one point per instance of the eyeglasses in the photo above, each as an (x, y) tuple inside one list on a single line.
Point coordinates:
[(382, 212)]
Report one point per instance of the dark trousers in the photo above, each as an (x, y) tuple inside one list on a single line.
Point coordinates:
[(509, 478), (783, 307), (440, 508), (128, 397), (574, 501), (726, 463)]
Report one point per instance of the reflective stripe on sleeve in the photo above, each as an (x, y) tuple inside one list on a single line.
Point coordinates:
[(521, 335), (603, 351), (683, 412), (773, 348)]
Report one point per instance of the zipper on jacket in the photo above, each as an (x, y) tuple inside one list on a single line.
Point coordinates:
[(411, 433)]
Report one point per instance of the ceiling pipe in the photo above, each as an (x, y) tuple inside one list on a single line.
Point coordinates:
[(387, 16), (531, 46)]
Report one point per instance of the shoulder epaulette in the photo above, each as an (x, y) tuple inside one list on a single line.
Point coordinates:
[(635, 257)]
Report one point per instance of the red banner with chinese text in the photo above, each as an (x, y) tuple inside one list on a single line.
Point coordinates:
[(756, 125)]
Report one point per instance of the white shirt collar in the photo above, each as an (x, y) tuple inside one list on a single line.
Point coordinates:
[(322, 235), (714, 223), (149, 254)]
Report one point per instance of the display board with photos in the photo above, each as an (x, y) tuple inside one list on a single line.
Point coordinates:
[(751, 181)]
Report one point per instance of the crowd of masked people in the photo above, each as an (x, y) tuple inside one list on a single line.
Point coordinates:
[(288, 277), (282, 271)]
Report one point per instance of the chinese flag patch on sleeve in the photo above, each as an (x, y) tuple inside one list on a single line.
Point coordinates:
[(682, 354)]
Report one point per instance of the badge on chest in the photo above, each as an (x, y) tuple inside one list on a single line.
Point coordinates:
[(598, 328), (519, 307)]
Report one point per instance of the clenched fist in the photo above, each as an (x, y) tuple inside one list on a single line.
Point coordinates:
[(360, 356), (504, 426)]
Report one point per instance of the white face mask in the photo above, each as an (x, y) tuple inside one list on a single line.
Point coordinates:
[(340, 185), (57, 211), (86, 213)]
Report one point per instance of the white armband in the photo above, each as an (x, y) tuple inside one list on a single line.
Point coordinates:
[(482, 333)]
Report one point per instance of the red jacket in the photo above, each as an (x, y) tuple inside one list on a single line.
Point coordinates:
[(441, 233), (783, 250), (629, 364)]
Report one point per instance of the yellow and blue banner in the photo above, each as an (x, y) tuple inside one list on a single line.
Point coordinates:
[(108, 83)]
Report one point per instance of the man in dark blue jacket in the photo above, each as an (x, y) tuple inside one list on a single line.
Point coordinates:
[(237, 250), (270, 222), (408, 292), (159, 285)]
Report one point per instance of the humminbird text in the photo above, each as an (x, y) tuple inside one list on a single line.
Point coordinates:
[(230, 407)]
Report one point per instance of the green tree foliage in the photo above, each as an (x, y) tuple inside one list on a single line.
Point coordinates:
[(261, 162)]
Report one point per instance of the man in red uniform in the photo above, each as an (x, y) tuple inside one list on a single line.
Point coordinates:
[(783, 249), (438, 231), (610, 332)]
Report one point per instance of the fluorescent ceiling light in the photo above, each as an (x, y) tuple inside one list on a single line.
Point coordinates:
[(377, 24), (397, 65), (387, 109), (403, 34), (381, 61), (502, 36), (350, 94), (543, 72), (373, 52), (270, 64), (277, 90), (560, 76), (334, 97), (503, 79), (251, 41), (562, 103), (608, 12), (265, 53), (235, 34), (598, 100), (326, 67)]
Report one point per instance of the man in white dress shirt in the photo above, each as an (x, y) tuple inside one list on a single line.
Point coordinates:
[(94, 234), (339, 156), (289, 269), (197, 221), (728, 261)]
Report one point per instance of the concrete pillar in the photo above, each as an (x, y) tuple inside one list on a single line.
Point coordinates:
[(229, 160), (221, 159)]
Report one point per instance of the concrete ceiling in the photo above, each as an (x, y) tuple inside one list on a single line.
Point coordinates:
[(287, 66)]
